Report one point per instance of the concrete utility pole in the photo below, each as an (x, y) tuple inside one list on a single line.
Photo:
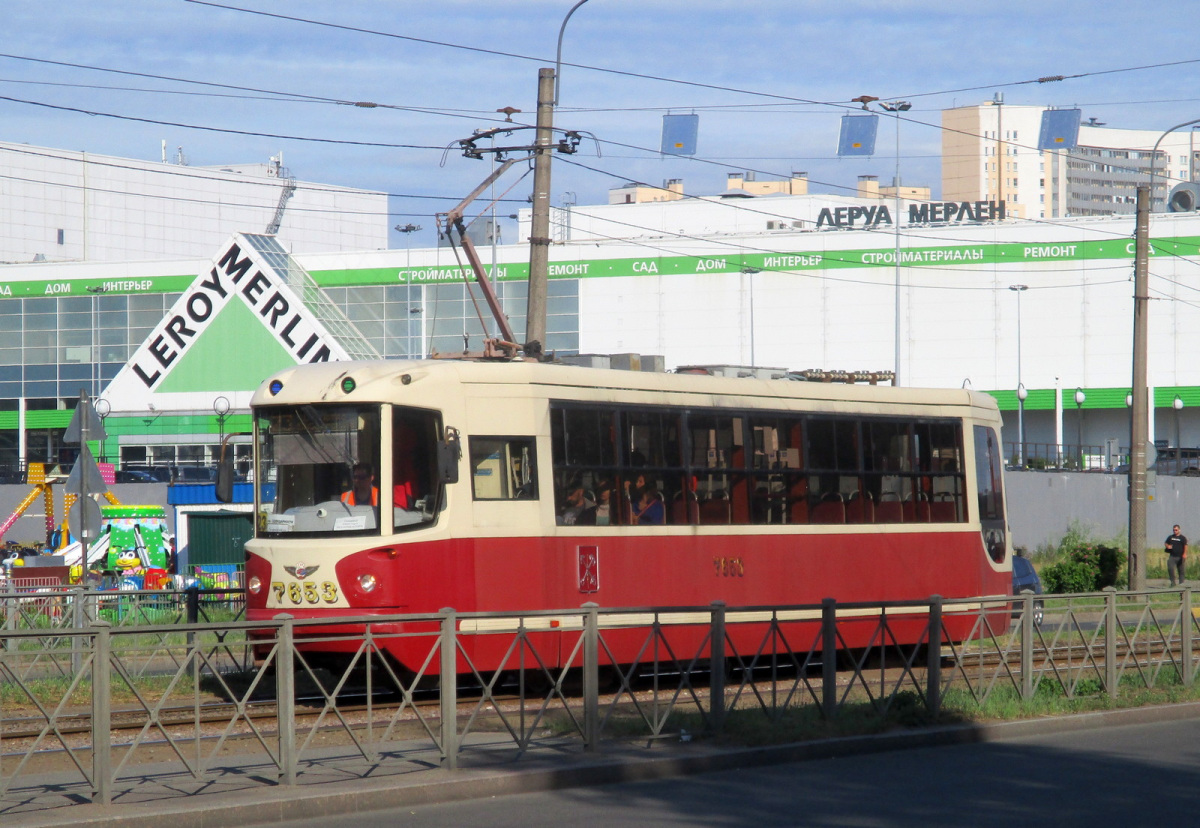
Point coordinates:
[(539, 240), (1139, 420)]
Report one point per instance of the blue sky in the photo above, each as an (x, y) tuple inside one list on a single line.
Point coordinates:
[(936, 54)]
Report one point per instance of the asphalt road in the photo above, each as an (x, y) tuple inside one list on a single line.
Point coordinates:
[(1135, 775)]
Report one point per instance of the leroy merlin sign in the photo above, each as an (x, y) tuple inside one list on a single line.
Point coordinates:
[(232, 326), (236, 274)]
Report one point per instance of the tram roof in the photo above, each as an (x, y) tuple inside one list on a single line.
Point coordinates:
[(380, 379)]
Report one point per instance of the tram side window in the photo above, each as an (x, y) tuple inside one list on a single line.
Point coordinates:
[(718, 463), (835, 489), (712, 467), (586, 467), (988, 467), (414, 434), (888, 465), (940, 470), (653, 489), (988, 464), (583, 438), (503, 468), (780, 490)]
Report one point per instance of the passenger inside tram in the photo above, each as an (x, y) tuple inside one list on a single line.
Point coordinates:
[(650, 509), (604, 512), (580, 510)]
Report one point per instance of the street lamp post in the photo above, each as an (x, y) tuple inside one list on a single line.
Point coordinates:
[(1177, 404), (558, 53), (539, 237), (103, 408), (1154, 155), (221, 407), (1021, 395), (1079, 398), (896, 107), (1129, 405), (749, 273), (1021, 392), (1139, 425)]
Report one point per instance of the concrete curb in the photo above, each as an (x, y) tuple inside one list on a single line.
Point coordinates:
[(340, 799)]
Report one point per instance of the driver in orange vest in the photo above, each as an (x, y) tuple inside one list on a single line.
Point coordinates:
[(364, 490)]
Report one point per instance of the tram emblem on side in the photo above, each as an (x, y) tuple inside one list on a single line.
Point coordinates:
[(589, 568)]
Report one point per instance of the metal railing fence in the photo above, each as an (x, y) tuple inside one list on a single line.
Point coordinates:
[(1060, 456), (51, 611), (124, 707)]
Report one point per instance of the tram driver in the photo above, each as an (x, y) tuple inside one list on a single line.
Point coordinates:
[(363, 491)]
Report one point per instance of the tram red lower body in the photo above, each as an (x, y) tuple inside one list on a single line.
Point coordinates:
[(526, 574)]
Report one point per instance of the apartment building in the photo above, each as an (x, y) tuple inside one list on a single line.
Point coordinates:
[(990, 152)]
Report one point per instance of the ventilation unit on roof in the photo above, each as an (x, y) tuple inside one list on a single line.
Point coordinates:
[(622, 362)]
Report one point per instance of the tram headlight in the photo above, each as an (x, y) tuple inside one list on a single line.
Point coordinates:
[(367, 582), (254, 585)]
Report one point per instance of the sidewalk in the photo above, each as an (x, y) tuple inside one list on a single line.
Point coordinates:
[(239, 795)]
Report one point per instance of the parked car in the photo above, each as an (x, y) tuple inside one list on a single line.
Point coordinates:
[(1183, 461), (1024, 577), (157, 474), (135, 476), (195, 474)]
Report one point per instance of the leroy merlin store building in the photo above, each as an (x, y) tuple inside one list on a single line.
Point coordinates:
[(174, 349)]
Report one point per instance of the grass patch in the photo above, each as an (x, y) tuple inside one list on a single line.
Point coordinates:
[(51, 692), (752, 727)]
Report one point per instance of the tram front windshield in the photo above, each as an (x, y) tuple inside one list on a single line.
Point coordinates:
[(324, 462)]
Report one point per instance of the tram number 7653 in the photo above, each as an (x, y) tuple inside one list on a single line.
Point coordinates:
[(305, 592), (729, 567)]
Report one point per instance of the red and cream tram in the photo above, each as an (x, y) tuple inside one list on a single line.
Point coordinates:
[(524, 486)]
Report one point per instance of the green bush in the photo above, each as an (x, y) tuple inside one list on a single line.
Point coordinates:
[(1083, 565), (1068, 576)]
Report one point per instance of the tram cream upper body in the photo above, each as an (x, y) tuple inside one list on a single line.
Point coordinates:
[(511, 398), (406, 382)]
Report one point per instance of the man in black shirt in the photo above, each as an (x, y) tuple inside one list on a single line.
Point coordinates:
[(1176, 548)]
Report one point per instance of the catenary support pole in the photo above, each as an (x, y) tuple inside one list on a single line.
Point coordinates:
[(1139, 418), (539, 239)]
